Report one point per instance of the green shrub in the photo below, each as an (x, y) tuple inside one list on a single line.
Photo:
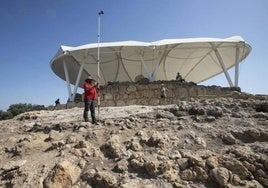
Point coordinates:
[(16, 109), (5, 115)]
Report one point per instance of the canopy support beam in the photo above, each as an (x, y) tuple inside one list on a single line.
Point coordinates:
[(237, 66), (67, 79), (77, 82), (157, 65), (223, 67), (149, 76), (154, 74)]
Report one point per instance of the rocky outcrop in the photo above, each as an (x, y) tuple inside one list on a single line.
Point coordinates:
[(63, 175), (200, 142)]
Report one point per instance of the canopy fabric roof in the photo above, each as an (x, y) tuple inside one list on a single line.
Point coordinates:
[(196, 59)]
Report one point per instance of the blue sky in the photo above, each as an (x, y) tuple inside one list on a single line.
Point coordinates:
[(31, 32)]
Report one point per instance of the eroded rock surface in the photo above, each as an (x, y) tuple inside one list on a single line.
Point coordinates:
[(208, 142)]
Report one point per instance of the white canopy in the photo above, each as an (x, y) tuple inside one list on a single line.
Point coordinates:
[(196, 59)]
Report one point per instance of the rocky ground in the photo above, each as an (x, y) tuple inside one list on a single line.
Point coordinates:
[(205, 142)]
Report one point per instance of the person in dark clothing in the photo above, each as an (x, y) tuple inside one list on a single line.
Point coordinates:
[(57, 102), (179, 77), (90, 96), (163, 91)]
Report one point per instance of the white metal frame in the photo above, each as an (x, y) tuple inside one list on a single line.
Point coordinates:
[(66, 72), (67, 79), (225, 71), (150, 76), (223, 67), (237, 66)]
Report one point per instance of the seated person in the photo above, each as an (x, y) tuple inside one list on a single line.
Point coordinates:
[(179, 77)]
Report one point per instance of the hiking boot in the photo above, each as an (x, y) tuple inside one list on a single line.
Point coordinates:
[(95, 123)]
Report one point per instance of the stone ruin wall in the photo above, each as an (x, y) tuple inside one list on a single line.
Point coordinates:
[(124, 94), (149, 93)]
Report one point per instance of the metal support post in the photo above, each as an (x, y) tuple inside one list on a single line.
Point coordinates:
[(77, 81), (223, 67), (67, 79), (146, 69), (237, 66)]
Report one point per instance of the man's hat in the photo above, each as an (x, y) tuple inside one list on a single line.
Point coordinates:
[(89, 78)]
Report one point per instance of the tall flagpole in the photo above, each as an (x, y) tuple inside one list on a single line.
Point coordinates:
[(98, 79)]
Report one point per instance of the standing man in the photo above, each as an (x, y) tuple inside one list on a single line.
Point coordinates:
[(163, 91), (90, 95)]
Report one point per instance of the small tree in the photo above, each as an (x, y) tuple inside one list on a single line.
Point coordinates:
[(5, 115), (38, 107), (16, 109)]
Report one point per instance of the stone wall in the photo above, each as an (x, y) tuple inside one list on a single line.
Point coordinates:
[(149, 93), (123, 94)]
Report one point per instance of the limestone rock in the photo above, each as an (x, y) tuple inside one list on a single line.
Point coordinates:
[(104, 179), (266, 164), (121, 166), (212, 162), (158, 140), (262, 177), (229, 139), (164, 114), (221, 175), (13, 165), (143, 136), (171, 176), (215, 111), (183, 163), (201, 174), (151, 168), (236, 167), (136, 164), (197, 140), (112, 148), (63, 175), (188, 175), (135, 145)]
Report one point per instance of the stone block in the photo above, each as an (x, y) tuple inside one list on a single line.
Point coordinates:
[(148, 94), (123, 88), (181, 93), (154, 101), (108, 96), (201, 91), (120, 103), (154, 87), (141, 87), (131, 102), (192, 92), (131, 88), (108, 103), (124, 96)]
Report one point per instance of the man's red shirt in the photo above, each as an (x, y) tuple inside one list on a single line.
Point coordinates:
[(90, 91)]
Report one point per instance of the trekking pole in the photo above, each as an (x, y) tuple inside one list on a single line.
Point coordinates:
[(98, 79)]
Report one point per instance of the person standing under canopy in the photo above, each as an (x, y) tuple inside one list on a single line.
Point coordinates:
[(90, 96), (163, 91), (179, 77)]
